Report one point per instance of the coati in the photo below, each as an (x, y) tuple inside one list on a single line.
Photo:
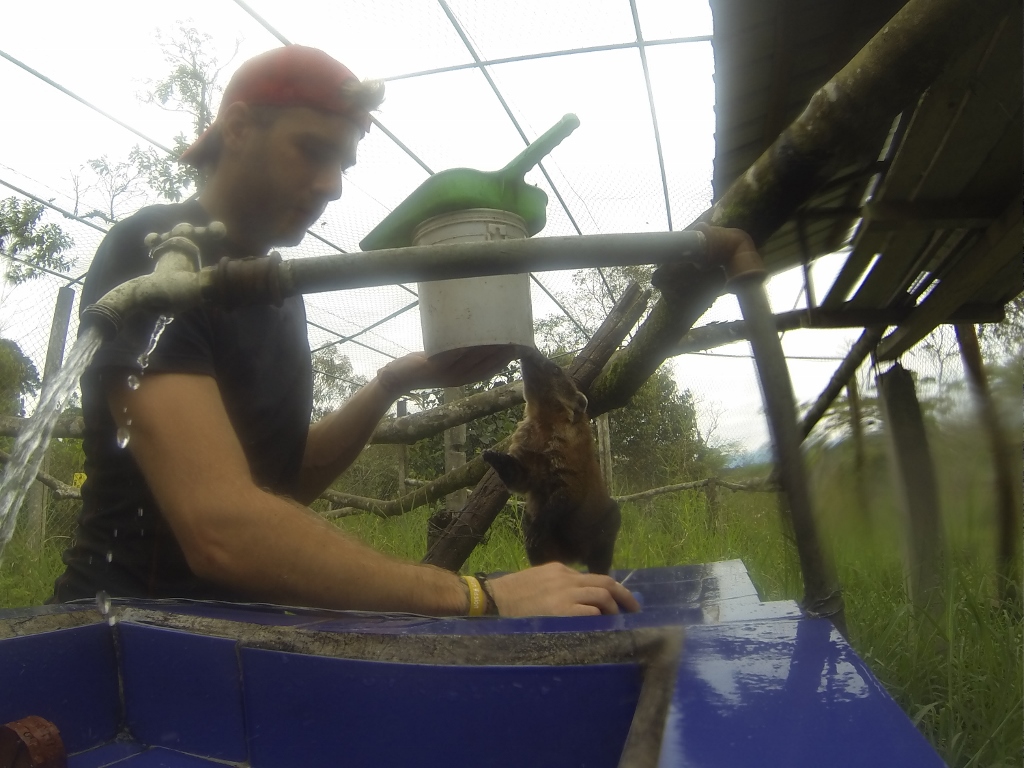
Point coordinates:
[(552, 459)]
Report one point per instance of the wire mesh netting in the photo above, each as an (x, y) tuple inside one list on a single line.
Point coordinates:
[(640, 161)]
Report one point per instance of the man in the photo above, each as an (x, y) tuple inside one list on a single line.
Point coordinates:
[(199, 466)]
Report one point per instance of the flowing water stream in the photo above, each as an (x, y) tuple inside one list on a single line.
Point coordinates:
[(31, 445)]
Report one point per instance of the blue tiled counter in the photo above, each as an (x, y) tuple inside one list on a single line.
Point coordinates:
[(190, 684)]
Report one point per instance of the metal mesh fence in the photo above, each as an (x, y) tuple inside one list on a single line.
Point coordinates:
[(609, 174)]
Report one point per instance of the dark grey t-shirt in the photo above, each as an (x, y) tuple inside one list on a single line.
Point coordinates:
[(260, 359)]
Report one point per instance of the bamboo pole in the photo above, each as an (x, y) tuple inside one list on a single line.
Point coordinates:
[(916, 482), (859, 452), (1008, 513), (842, 376), (822, 595)]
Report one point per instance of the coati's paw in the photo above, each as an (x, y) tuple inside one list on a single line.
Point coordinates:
[(511, 472)]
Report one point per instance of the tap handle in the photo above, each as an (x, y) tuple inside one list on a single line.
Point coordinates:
[(198, 235)]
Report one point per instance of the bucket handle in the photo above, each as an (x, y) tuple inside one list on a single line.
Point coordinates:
[(540, 148)]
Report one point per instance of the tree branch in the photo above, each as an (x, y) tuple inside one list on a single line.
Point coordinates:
[(760, 485), (468, 474), (61, 490), (409, 429)]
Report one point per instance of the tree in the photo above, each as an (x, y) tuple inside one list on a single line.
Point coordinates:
[(656, 440), (334, 381), (593, 297), (191, 87), (1004, 342), (18, 378), (118, 183), (24, 236)]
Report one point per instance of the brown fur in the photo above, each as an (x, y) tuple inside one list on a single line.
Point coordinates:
[(569, 515)]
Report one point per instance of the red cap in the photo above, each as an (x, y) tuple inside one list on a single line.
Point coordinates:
[(292, 76)]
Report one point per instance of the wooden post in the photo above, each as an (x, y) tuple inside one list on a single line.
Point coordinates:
[(1008, 521), (37, 498), (454, 457), (604, 449), (916, 484), (859, 452), (402, 409), (711, 498)]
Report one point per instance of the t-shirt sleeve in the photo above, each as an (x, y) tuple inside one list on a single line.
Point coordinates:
[(185, 344)]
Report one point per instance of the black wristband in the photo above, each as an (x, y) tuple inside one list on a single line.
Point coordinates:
[(492, 606)]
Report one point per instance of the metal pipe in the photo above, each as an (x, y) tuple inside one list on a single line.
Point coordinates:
[(175, 286), (481, 259)]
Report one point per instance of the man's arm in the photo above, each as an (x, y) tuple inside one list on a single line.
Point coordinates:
[(237, 535), (336, 440)]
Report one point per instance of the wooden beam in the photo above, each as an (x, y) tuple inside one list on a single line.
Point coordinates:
[(715, 335), (1000, 245)]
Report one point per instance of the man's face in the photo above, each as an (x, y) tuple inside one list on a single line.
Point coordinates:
[(290, 167)]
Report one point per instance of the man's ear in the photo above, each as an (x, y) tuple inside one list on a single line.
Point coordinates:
[(234, 123), (509, 469)]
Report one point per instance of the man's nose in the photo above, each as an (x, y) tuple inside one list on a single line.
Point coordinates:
[(328, 183)]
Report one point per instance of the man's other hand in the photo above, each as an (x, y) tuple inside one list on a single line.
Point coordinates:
[(449, 369), (554, 589)]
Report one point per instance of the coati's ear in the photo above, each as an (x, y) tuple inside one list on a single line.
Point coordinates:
[(579, 408), (509, 469)]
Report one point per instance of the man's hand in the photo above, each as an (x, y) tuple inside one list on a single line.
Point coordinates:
[(417, 371), (557, 590)]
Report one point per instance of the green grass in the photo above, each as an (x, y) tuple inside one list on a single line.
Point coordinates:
[(956, 673)]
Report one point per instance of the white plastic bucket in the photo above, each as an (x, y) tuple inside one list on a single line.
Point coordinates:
[(477, 311)]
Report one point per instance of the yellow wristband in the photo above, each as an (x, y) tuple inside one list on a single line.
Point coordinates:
[(477, 601)]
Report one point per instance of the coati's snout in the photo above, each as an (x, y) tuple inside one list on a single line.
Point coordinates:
[(548, 389)]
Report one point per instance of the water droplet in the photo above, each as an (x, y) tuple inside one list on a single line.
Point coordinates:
[(90, 559), (103, 602), (111, 621), (110, 556), (140, 511), (115, 533), (122, 437), (162, 322), (133, 382), (128, 422)]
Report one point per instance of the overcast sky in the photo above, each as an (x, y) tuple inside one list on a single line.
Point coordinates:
[(107, 52)]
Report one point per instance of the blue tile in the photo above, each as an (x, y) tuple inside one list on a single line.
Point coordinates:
[(315, 711), (67, 676), (108, 754), (182, 691), (784, 693)]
